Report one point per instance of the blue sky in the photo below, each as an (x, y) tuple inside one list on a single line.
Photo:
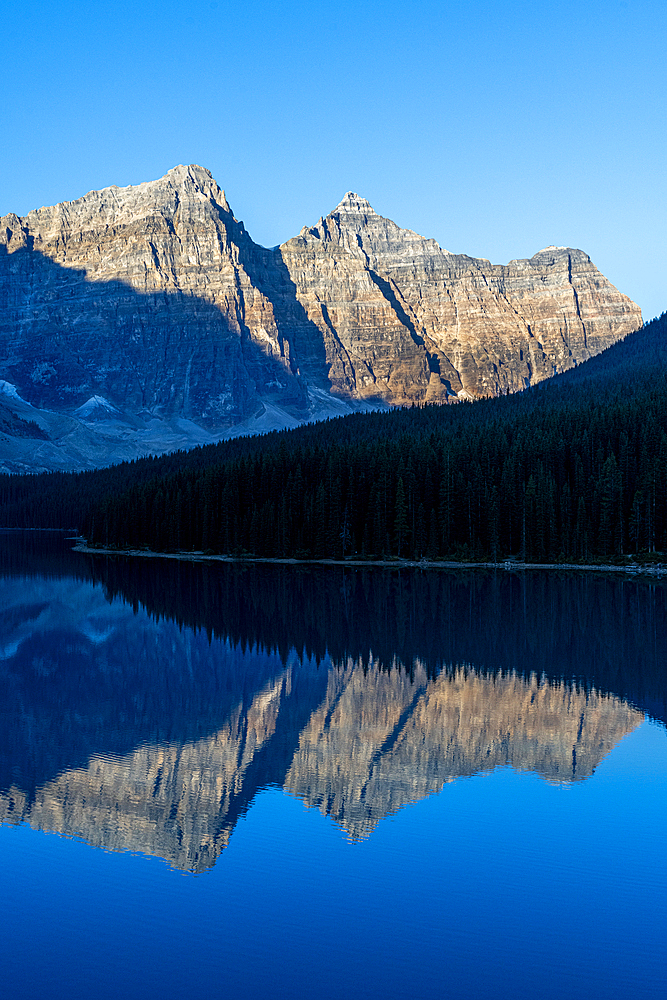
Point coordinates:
[(496, 128)]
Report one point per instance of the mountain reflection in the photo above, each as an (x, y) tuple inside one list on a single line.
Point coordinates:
[(139, 734), (380, 741), (178, 801)]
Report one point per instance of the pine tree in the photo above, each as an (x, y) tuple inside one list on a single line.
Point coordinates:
[(400, 518)]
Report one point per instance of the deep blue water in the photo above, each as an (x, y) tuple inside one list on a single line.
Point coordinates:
[(262, 781)]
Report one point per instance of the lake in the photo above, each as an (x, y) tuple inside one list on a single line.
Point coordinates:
[(258, 780)]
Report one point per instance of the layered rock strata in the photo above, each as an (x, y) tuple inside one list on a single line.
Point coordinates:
[(415, 322), (152, 302), (142, 296)]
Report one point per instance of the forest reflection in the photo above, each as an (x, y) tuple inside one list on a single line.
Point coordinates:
[(145, 703)]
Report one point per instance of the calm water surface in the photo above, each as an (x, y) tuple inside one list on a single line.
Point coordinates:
[(258, 781)]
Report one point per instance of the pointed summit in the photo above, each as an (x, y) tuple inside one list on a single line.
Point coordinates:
[(200, 179), (353, 204)]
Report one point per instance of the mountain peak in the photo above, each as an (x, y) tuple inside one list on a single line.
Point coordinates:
[(115, 205), (151, 298), (200, 178), (192, 170), (353, 204)]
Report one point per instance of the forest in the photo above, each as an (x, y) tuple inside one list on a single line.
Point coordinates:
[(573, 469)]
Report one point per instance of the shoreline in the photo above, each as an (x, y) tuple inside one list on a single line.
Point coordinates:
[(657, 570)]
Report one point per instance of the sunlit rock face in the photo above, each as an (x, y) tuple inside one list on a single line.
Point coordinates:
[(415, 322), (145, 318), (142, 295)]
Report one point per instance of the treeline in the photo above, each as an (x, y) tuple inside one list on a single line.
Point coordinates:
[(574, 469), (492, 621), (486, 620)]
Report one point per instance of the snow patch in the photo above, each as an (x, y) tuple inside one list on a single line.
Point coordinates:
[(7, 389), (94, 405)]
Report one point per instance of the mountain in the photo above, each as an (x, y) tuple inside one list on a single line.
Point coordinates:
[(406, 320), (145, 319)]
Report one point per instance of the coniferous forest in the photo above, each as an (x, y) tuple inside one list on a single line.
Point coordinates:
[(573, 469)]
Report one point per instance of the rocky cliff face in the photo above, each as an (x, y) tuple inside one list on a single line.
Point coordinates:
[(142, 296), (416, 322), (145, 313)]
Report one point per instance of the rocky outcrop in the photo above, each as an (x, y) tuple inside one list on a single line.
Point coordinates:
[(415, 322), (155, 300), (143, 296)]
